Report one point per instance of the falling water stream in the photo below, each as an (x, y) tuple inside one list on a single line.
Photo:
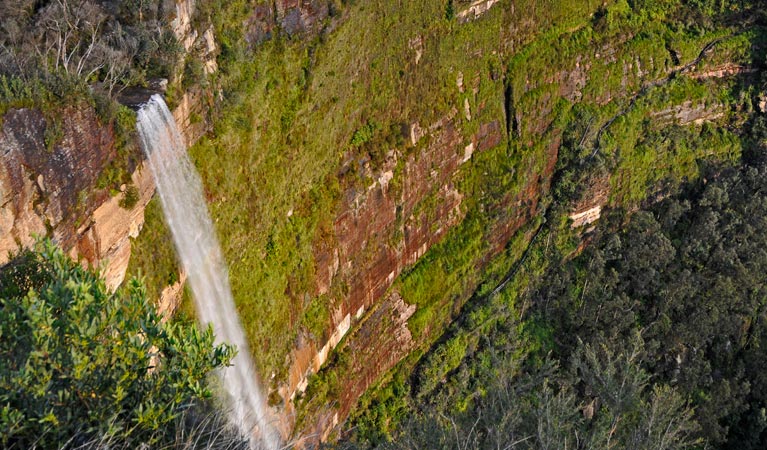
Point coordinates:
[(186, 213)]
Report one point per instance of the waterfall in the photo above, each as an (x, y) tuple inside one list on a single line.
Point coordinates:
[(181, 195)]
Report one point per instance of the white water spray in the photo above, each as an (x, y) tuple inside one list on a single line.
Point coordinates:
[(180, 190)]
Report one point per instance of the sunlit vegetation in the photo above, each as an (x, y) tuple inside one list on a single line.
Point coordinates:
[(490, 380), (82, 367), (659, 320), (295, 109), (605, 80)]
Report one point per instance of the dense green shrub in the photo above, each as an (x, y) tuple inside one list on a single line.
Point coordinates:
[(80, 364), (365, 133), (130, 197)]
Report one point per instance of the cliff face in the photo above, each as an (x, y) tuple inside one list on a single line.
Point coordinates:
[(51, 164), (50, 186), (632, 94), (406, 235), (380, 230), (479, 103), (48, 181), (293, 17), (366, 261)]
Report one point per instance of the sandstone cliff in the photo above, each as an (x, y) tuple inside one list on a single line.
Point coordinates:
[(52, 163), (480, 113), (51, 188)]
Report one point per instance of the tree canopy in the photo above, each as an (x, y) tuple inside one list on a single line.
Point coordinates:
[(651, 336)]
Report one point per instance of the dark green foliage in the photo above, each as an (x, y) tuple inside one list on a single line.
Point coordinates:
[(450, 10), (660, 320), (365, 133), (79, 364), (689, 276), (130, 197), (601, 401)]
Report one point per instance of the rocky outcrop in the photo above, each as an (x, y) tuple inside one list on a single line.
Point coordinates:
[(49, 175), (586, 217), (386, 226), (191, 109), (49, 186), (588, 208), (106, 235), (690, 113), (475, 10), (725, 70), (380, 230), (296, 16), (191, 114), (379, 345), (182, 23), (290, 16), (170, 297), (46, 171)]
